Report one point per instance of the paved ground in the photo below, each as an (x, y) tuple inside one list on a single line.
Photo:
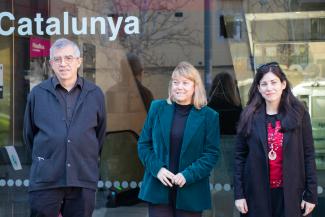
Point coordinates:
[(134, 211)]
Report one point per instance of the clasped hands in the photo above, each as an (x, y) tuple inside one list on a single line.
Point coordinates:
[(169, 179)]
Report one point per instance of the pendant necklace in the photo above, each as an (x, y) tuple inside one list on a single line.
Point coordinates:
[(272, 154)]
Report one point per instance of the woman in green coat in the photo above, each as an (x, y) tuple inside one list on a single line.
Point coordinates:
[(179, 146)]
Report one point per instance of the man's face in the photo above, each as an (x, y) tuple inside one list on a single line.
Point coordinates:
[(65, 64)]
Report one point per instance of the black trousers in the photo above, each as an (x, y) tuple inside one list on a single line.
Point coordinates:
[(70, 201), (277, 201), (170, 211)]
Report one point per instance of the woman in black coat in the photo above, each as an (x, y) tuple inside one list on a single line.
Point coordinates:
[(275, 171)]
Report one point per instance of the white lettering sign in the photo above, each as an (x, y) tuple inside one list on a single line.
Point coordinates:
[(78, 27), (37, 47)]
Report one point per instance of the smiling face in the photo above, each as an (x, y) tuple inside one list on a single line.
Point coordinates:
[(65, 64), (271, 88), (182, 90)]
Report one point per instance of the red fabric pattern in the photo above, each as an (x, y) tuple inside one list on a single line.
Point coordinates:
[(275, 141)]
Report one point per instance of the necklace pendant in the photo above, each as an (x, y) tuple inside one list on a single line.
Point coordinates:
[(272, 155)]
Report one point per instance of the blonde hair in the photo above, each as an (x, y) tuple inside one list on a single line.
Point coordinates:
[(188, 71)]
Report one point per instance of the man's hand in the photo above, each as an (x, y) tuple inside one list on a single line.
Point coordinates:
[(179, 180), (241, 205), (166, 177), (307, 206)]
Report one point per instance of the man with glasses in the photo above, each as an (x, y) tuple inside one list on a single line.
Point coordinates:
[(64, 125)]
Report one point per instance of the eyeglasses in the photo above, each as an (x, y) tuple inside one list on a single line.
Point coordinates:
[(266, 65), (186, 84), (67, 59)]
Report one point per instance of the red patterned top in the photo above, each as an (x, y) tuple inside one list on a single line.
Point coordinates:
[(275, 141)]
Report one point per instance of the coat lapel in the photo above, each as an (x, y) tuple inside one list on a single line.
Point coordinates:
[(261, 129), (288, 127), (81, 98), (193, 122), (85, 89), (165, 115)]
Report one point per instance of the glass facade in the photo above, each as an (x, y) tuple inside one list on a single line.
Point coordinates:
[(129, 49)]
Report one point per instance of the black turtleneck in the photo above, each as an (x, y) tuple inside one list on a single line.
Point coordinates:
[(176, 135), (271, 119), (176, 139), (181, 113)]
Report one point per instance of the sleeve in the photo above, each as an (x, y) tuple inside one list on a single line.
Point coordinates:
[(146, 153), (202, 167), (310, 193), (241, 152), (101, 127), (29, 128)]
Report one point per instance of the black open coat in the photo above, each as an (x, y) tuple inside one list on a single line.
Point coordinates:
[(251, 176)]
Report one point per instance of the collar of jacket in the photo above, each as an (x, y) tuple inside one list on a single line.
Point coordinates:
[(55, 82), (288, 125), (194, 121), (47, 85), (260, 124), (87, 86)]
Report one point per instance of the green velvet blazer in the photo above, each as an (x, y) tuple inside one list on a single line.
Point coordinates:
[(199, 154)]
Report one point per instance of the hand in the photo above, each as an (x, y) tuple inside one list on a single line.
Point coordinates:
[(241, 205), (165, 176), (307, 206), (179, 180)]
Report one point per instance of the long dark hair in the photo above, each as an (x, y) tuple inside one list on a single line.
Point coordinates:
[(290, 107)]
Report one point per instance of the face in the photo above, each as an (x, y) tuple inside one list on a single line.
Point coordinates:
[(65, 64), (182, 90), (271, 88)]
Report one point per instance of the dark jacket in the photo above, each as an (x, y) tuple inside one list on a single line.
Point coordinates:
[(199, 153), (62, 155), (251, 177)]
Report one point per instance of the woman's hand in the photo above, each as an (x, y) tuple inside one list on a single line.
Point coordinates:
[(241, 205), (179, 180), (166, 177), (307, 206)]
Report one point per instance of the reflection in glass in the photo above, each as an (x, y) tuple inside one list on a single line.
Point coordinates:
[(224, 98)]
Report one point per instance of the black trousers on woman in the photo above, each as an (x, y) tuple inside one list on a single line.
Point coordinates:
[(170, 211), (277, 201)]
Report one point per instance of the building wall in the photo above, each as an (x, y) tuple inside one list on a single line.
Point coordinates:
[(253, 32)]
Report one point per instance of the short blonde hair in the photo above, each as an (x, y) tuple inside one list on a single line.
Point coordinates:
[(188, 71)]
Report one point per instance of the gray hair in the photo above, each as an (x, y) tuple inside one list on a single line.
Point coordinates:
[(63, 42)]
